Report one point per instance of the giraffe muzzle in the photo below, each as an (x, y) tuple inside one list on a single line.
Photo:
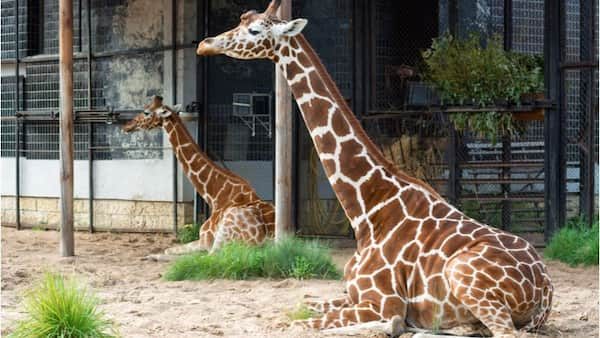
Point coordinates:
[(129, 127), (207, 47)]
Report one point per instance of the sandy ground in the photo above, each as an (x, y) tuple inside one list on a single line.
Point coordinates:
[(145, 306)]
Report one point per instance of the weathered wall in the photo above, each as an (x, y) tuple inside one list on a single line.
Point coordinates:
[(137, 180), (108, 214)]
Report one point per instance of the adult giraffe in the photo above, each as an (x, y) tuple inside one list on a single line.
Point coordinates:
[(237, 213), (418, 258)]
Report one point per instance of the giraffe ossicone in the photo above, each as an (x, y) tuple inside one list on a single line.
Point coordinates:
[(237, 212), (417, 256)]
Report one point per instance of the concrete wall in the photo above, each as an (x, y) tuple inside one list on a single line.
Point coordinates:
[(117, 215), (129, 192)]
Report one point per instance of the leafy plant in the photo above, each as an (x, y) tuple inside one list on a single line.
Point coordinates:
[(59, 308), (301, 313), (465, 73), (575, 244), (188, 233), (290, 257)]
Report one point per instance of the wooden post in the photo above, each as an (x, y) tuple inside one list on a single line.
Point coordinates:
[(65, 56), (283, 144)]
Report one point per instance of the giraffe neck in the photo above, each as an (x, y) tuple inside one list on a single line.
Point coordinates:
[(360, 175), (217, 186)]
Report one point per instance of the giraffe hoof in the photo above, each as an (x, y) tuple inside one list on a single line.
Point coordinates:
[(398, 326), (305, 324), (159, 258)]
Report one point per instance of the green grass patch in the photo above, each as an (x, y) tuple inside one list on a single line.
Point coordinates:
[(188, 233), (575, 244), (58, 307), (302, 313), (290, 257)]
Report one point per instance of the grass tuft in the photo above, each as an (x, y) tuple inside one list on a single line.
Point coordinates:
[(188, 233), (302, 313), (59, 308), (575, 244), (290, 257)]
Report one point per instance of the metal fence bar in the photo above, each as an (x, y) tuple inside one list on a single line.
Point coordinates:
[(586, 197), (17, 176), (506, 141), (17, 135), (554, 156), (174, 89), (91, 176)]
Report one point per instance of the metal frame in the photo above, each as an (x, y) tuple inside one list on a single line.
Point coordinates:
[(554, 44)]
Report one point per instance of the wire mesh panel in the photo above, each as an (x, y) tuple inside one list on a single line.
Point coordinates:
[(28, 28), (232, 137), (49, 41), (330, 32), (7, 108), (400, 31)]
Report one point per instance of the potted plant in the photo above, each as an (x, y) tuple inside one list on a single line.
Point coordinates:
[(464, 72)]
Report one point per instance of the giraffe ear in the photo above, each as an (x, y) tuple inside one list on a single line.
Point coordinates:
[(177, 108), (163, 112), (291, 28)]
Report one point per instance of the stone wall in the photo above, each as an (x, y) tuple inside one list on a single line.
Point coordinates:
[(117, 215)]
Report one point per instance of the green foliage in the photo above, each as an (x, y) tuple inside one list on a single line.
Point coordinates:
[(302, 313), (464, 72), (290, 257), (575, 244), (188, 233), (59, 308)]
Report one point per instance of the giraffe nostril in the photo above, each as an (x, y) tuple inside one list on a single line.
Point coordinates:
[(208, 40)]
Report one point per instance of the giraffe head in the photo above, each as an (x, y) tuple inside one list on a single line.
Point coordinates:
[(256, 37), (153, 116)]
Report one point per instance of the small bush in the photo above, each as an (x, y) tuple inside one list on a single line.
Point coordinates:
[(188, 233), (290, 257), (575, 244), (59, 308), (302, 313)]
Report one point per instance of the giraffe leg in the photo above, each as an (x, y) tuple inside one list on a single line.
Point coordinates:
[(195, 246), (477, 291), (328, 305), (358, 313)]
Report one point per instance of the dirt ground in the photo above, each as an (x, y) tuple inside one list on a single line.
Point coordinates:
[(134, 296)]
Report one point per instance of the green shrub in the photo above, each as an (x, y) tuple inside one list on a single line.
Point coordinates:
[(290, 257), (302, 313), (59, 308), (188, 233), (464, 72), (575, 244)]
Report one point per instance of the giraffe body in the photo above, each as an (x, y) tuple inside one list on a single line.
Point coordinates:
[(418, 258), (237, 213)]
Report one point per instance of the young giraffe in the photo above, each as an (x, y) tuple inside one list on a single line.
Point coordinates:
[(238, 214), (418, 258)]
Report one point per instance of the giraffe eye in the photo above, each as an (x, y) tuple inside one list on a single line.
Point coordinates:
[(252, 31)]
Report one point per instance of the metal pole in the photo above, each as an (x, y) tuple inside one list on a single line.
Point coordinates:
[(174, 89), (202, 12), (453, 142), (205, 91), (91, 125), (91, 175), (65, 29), (506, 141), (18, 175), (587, 191), (554, 154), (17, 134), (283, 144)]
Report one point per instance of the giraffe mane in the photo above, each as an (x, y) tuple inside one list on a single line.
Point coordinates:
[(196, 148), (373, 149)]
